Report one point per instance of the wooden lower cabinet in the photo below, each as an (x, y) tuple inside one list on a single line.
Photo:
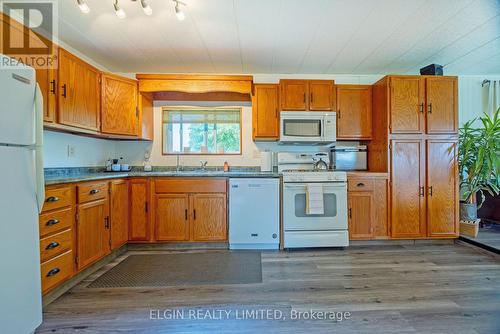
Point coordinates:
[(119, 212), (139, 223), (424, 189), (407, 190), (56, 270), (442, 188), (368, 207), (209, 221), (172, 217), (93, 232), (361, 215), (190, 209)]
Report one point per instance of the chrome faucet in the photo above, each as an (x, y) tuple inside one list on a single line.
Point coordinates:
[(203, 164), (178, 167)]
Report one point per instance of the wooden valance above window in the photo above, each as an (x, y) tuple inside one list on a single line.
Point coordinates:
[(195, 84)]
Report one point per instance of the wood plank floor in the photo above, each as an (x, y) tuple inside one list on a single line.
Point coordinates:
[(449, 288)]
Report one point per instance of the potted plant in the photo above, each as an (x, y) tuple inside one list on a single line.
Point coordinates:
[(479, 163)]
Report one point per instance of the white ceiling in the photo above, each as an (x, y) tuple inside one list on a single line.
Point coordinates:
[(289, 36)]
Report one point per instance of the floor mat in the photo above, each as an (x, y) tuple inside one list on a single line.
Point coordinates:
[(159, 270)]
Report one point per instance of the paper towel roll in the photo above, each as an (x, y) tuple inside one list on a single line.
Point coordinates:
[(266, 161)]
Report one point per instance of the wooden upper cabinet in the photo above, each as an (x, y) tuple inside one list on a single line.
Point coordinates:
[(442, 109), (172, 217), (321, 95), (361, 215), (209, 221), (265, 115), (407, 104), (354, 111), (139, 223), (79, 93), (294, 94), (442, 188), (119, 113), (93, 234), (146, 120), (119, 213), (408, 190)]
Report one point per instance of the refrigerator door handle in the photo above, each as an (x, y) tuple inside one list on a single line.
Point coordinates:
[(39, 172)]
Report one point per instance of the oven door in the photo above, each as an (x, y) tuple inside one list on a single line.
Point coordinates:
[(294, 208), (298, 129)]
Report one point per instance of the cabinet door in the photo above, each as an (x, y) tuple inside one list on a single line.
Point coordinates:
[(265, 112), (407, 189), (172, 217), (407, 104), (46, 79), (442, 188), (119, 114), (441, 98), (321, 95), (93, 234), (119, 213), (208, 221), (361, 213), (139, 226), (79, 93), (354, 112), (294, 94)]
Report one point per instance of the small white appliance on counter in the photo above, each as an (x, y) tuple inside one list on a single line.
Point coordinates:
[(328, 226), (254, 213), (266, 161), (21, 198), (308, 127)]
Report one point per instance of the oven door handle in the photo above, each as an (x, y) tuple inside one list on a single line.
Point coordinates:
[(325, 185)]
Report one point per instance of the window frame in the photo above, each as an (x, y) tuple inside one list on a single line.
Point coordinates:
[(240, 110)]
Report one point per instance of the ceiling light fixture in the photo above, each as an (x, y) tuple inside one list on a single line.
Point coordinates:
[(178, 11), (146, 8), (82, 4), (119, 11)]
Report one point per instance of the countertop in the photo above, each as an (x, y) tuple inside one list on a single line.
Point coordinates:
[(93, 175), (367, 174)]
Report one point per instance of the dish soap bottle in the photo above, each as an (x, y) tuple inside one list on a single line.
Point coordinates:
[(147, 165), (226, 166)]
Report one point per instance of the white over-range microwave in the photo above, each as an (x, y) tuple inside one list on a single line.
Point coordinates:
[(308, 127)]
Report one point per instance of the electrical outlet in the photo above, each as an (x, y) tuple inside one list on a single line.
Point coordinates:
[(71, 151)]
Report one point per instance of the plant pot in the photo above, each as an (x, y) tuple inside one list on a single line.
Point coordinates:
[(468, 211)]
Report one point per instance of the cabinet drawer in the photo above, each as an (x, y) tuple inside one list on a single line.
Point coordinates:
[(56, 270), (56, 221), (59, 197), (190, 185), (92, 191), (360, 184), (56, 244)]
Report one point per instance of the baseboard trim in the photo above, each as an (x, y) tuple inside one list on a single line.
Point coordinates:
[(73, 281), (401, 242), (177, 246)]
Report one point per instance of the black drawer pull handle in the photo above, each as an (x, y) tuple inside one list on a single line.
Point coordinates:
[(194, 214), (52, 245), (361, 184), (53, 86), (186, 214), (52, 222), (53, 272), (94, 191), (52, 199), (64, 91)]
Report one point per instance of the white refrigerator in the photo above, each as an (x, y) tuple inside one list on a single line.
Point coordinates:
[(21, 198)]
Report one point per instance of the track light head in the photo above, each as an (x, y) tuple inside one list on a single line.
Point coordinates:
[(119, 11), (146, 8), (82, 4)]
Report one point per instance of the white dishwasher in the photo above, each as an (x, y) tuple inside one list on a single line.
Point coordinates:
[(254, 213)]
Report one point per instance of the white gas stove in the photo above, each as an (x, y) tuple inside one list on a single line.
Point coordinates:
[(329, 229)]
